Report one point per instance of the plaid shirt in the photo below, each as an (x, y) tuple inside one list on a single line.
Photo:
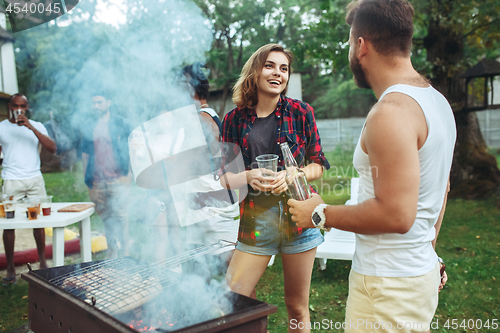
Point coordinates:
[(297, 126)]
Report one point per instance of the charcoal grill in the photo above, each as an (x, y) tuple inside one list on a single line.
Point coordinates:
[(112, 295)]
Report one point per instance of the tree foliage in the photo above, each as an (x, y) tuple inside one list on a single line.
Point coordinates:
[(450, 36), (241, 27), (455, 36)]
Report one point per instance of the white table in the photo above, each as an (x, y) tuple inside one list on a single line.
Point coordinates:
[(57, 221)]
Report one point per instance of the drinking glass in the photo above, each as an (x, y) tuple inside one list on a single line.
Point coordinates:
[(33, 205), (46, 203), (268, 165), (10, 209), (17, 113)]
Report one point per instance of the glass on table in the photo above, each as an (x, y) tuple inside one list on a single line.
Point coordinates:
[(10, 209), (46, 204), (3, 197), (33, 206)]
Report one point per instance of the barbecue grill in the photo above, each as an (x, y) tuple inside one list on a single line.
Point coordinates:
[(124, 295)]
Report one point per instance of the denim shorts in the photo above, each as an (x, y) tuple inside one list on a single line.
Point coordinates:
[(271, 240)]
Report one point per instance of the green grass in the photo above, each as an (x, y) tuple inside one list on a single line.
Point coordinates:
[(13, 306), (496, 153), (468, 243), (334, 185)]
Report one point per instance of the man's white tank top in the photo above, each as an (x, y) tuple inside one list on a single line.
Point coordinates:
[(411, 254)]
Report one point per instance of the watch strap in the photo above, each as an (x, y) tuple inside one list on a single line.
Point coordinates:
[(320, 211)]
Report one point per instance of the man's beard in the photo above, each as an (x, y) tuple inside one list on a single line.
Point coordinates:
[(359, 74)]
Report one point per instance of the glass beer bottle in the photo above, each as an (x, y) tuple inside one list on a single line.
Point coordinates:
[(298, 188)]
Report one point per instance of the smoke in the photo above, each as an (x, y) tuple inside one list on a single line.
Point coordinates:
[(137, 67)]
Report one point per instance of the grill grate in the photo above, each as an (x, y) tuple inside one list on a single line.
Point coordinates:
[(120, 285)]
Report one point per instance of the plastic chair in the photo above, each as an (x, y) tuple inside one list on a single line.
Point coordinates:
[(339, 244)]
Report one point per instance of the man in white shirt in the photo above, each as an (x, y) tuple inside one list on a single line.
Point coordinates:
[(403, 158), (19, 139)]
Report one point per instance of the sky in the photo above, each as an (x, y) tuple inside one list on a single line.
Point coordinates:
[(111, 12)]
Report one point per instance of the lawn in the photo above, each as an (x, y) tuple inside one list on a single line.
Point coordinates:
[(468, 243)]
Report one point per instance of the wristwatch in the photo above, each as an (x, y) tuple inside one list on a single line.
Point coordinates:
[(318, 217)]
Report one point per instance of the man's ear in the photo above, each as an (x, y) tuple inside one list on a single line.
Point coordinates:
[(109, 103), (363, 47)]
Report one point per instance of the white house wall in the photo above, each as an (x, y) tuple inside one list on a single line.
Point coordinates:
[(8, 76)]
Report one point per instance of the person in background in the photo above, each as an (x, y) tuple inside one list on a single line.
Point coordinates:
[(106, 170), (20, 138), (265, 118), (210, 199), (403, 158)]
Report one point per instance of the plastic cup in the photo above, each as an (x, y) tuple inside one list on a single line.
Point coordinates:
[(3, 197), (46, 203), (33, 205), (17, 113), (10, 209), (268, 165)]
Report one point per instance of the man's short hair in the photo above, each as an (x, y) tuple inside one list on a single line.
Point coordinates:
[(103, 92), (387, 24), (16, 95), (197, 79)]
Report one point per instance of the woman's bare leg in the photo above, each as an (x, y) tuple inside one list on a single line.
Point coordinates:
[(297, 270), (245, 271)]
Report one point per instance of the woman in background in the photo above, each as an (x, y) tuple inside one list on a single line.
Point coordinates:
[(214, 207)]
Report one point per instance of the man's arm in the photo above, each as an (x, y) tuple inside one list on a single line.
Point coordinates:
[(391, 141), (44, 140), (437, 226), (313, 171)]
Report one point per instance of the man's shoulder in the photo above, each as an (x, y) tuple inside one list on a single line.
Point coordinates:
[(395, 104), (119, 120), (396, 116), (3, 127), (90, 122), (37, 124)]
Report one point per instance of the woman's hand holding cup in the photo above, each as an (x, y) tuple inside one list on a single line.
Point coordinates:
[(257, 181)]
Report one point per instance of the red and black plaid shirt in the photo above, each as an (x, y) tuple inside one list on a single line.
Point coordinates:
[(297, 126)]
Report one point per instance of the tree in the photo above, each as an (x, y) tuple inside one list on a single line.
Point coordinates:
[(234, 24), (454, 36), (240, 27), (450, 36), (335, 94)]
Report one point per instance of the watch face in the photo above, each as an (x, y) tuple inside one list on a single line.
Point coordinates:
[(316, 218)]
